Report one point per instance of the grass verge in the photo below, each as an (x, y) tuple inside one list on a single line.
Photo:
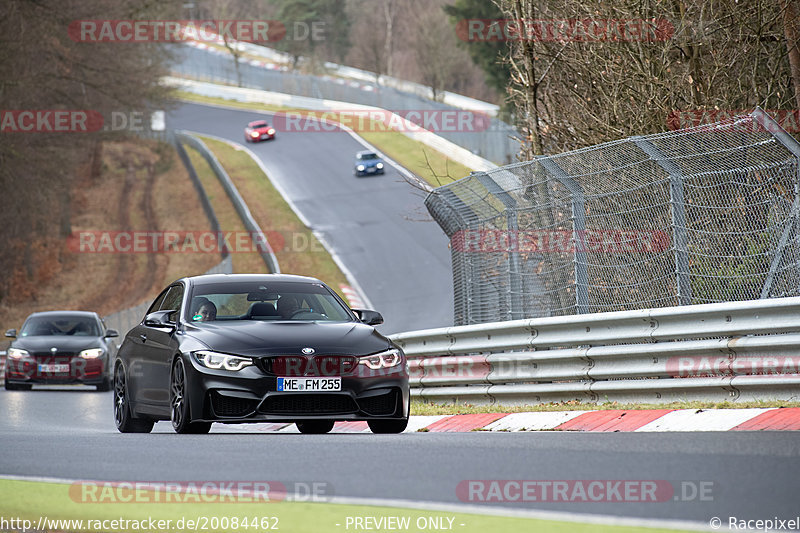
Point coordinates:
[(419, 407), (28, 500), (428, 164)]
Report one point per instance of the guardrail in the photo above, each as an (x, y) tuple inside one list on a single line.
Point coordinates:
[(737, 351), (264, 248)]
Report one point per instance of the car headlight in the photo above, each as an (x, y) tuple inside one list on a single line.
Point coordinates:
[(385, 359), (254, 134), (215, 360), (91, 353), (360, 168), (379, 165), (271, 131), (16, 353)]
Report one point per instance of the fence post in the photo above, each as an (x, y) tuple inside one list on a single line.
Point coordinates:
[(515, 291), (446, 209), (678, 213), (578, 231), (789, 142)]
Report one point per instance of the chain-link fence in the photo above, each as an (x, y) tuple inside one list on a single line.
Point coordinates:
[(706, 214), (496, 143)]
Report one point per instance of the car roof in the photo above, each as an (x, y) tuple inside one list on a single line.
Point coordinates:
[(257, 122), (233, 278), (91, 314), (365, 152)]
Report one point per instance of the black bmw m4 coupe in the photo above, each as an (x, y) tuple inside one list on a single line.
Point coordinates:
[(258, 348)]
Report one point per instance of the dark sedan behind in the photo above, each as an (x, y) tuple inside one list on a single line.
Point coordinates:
[(60, 347)]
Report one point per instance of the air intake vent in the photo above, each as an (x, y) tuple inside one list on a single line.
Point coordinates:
[(309, 404)]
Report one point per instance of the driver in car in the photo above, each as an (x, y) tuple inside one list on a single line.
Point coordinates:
[(207, 311), (288, 306)]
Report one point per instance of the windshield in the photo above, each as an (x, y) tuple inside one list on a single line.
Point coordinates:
[(75, 326), (367, 156), (258, 125), (265, 301)]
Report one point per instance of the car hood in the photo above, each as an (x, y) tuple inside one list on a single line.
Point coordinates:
[(63, 343), (368, 162), (254, 337)]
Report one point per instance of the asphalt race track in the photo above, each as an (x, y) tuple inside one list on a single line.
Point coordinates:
[(380, 230), (377, 225), (61, 433)]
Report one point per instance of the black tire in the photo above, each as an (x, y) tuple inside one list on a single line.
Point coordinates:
[(388, 426), (16, 386), (179, 409), (105, 385), (315, 427), (123, 418)]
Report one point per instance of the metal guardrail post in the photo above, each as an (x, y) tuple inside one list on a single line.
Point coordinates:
[(678, 212), (789, 142), (578, 231)]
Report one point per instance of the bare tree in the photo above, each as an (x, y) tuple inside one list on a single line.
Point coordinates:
[(574, 88), (369, 51), (42, 68), (389, 15), (434, 46), (791, 21)]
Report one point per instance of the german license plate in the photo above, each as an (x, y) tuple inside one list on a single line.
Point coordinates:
[(309, 384), (54, 369)]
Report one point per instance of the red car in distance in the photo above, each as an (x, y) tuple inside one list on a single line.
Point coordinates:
[(259, 130)]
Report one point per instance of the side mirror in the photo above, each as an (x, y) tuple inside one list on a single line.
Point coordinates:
[(371, 318), (159, 319), (111, 333), (11, 333)]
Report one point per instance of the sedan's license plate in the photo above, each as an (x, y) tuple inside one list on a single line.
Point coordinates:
[(56, 369), (309, 384)]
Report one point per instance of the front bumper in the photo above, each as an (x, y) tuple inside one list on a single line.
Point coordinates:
[(369, 170), (250, 395), (81, 371)]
